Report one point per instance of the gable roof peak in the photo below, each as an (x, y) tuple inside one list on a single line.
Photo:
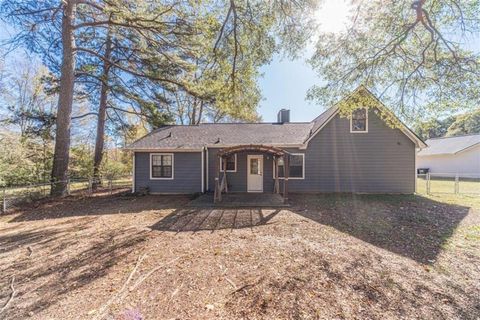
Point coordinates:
[(325, 117)]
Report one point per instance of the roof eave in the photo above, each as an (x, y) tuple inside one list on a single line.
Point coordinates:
[(435, 154), (284, 145), (163, 149), (468, 148)]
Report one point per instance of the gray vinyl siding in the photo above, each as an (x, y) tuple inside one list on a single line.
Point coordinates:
[(237, 181), (187, 173), (380, 161)]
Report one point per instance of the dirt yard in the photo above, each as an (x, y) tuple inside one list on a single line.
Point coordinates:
[(326, 257)]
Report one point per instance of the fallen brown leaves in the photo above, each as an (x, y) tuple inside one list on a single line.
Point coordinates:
[(325, 257)]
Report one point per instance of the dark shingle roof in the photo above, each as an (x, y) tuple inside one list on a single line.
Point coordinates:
[(232, 134), (319, 121), (449, 145), (224, 134)]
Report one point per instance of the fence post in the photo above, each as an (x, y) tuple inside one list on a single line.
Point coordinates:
[(68, 186), (4, 200), (110, 185), (90, 186), (457, 189), (428, 183)]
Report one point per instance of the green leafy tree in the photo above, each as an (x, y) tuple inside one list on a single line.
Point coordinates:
[(207, 74), (459, 125), (15, 166), (81, 164), (415, 55), (117, 163), (55, 30), (433, 128), (31, 119), (208, 50), (468, 123)]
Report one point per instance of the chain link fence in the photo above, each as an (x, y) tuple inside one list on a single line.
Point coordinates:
[(13, 196), (438, 183)]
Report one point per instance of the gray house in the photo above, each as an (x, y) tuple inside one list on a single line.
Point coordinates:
[(360, 154)]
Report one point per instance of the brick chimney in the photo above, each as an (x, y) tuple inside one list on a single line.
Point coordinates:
[(283, 116)]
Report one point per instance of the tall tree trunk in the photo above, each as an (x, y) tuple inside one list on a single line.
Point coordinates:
[(102, 114), (200, 112), (193, 117), (65, 101)]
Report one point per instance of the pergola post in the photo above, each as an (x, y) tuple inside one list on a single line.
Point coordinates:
[(217, 195), (276, 188), (286, 171), (221, 182), (224, 180)]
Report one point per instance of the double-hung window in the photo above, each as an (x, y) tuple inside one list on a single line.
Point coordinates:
[(161, 166), (231, 163), (296, 165), (359, 121)]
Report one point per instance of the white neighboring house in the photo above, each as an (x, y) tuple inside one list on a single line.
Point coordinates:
[(452, 155)]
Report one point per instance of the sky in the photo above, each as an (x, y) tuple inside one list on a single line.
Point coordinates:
[(284, 85), (285, 82)]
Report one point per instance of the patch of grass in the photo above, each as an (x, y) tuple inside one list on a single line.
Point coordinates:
[(444, 191), (42, 190), (473, 233), (466, 237), (447, 185), (457, 199)]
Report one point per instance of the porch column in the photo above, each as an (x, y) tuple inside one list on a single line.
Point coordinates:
[(286, 170), (276, 188), (224, 180), (218, 193)]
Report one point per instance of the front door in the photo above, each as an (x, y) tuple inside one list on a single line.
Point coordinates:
[(255, 173)]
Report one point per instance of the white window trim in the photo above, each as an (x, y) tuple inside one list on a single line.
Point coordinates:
[(366, 122), (173, 165), (293, 178), (230, 170)]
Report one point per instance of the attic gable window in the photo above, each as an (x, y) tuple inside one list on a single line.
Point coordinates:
[(359, 121)]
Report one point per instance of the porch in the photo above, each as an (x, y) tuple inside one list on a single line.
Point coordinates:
[(255, 177)]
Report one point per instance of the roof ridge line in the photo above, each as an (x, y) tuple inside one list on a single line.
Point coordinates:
[(462, 136), (291, 122)]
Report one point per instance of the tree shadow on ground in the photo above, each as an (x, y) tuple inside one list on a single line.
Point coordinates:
[(320, 286), (48, 272), (104, 204), (413, 226), (193, 220)]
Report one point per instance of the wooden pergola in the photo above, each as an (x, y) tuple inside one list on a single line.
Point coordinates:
[(277, 153)]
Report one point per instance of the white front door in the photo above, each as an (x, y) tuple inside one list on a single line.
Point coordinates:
[(254, 173)]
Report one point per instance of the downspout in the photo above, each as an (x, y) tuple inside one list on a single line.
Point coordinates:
[(207, 173), (203, 170), (133, 173)]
